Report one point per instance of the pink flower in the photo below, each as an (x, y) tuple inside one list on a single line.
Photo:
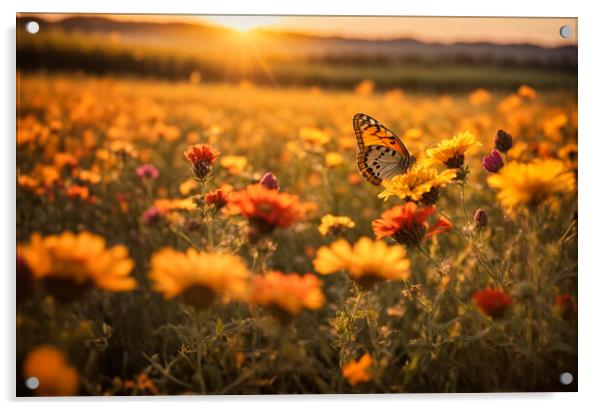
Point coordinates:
[(147, 171), (493, 162), (152, 215)]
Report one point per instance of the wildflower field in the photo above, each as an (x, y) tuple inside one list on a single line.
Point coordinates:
[(217, 238)]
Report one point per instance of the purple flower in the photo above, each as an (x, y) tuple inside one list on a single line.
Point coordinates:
[(503, 141), (147, 171), (152, 215), (269, 181), (493, 162), (480, 219)]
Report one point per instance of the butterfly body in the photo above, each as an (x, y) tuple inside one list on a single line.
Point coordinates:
[(381, 154)]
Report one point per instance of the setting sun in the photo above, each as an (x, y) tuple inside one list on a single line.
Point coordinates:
[(243, 23)]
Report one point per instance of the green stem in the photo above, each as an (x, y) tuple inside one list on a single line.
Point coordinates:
[(433, 262), (463, 198), (481, 257), (208, 219), (198, 319), (185, 237), (350, 328)]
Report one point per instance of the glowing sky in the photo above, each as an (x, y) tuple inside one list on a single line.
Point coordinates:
[(544, 31)]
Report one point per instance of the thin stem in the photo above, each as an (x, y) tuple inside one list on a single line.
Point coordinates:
[(208, 219), (462, 197), (185, 237), (198, 319), (435, 264), (351, 318), (481, 257)]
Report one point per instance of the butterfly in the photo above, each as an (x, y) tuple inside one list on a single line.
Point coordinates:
[(381, 154)]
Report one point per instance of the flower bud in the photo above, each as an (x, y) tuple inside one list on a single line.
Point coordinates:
[(480, 219), (493, 162), (269, 181), (503, 141)]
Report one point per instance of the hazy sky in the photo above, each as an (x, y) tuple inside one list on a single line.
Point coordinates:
[(544, 31)]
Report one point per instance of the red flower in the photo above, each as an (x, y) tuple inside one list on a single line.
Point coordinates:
[(266, 208), (566, 306), (201, 158), (217, 198), (492, 302), (407, 224)]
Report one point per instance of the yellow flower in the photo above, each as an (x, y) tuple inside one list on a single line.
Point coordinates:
[(235, 164), (357, 371), (365, 87), (509, 103), (531, 184), (169, 205), (552, 125), (419, 184), (68, 264), (569, 154), (333, 159), (55, 376), (479, 96), (451, 152), (287, 294), (526, 92), (188, 186), (124, 148), (91, 176), (313, 137), (413, 134), (366, 262), (198, 277), (334, 225)]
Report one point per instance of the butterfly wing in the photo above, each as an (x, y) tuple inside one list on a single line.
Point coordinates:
[(368, 132), (381, 154), (377, 162)]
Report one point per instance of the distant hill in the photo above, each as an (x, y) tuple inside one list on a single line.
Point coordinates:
[(174, 50), (331, 48)]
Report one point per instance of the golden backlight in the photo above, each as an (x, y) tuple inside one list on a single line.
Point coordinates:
[(242, 23)]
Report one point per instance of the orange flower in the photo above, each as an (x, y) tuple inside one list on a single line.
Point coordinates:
[(407, 224), (64, 158), (357, 371), (55, 376), (479, 96), (78, 192), (266, 208), (201, 158), (364, 87), (526, 92), (142, 384), (68, 264), (218, 197), (286, 295)]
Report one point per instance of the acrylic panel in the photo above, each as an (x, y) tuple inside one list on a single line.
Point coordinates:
[(227, 205)]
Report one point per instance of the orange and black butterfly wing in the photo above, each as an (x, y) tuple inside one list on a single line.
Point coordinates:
[(376, 162), (381, 155), (369, 131)]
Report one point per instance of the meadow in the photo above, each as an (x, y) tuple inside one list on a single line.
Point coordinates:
[(175, 238)]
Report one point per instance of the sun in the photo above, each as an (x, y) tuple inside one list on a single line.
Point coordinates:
[(243, 23)]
